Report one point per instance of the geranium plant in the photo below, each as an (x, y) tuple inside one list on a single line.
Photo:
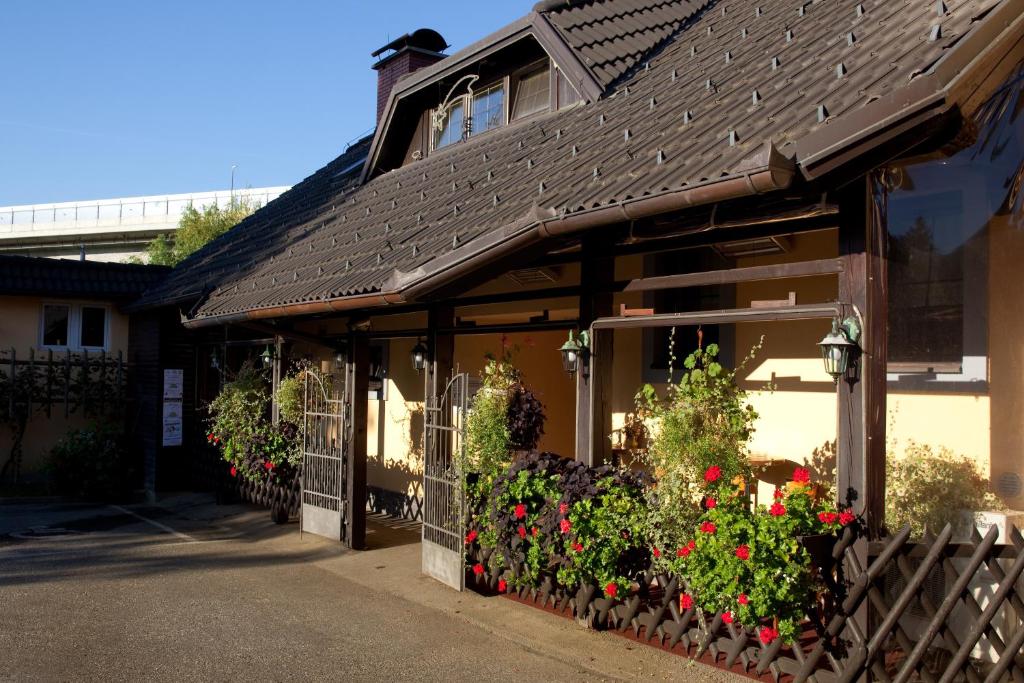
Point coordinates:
[(752, 564)]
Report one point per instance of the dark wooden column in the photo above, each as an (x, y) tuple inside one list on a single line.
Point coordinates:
[(440, 349), (593, 387), (357, 384), (863, 287)]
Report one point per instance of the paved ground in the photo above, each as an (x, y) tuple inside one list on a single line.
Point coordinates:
[(192, 591)]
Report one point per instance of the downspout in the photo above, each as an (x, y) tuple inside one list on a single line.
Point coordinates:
[(767, 171)]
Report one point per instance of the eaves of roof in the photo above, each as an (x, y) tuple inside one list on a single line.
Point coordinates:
[(767, 171)]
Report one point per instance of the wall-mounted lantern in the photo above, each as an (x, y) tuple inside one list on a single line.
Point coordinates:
[(340, 356), (419, 356), (214, 360), (574, 351), (839, 347), (267, 356)]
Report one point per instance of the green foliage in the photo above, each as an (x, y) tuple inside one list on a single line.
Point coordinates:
[(195, 229), (92, 464), (752, 563), (291, 395), (703, 421), (928, 490), (606, 533), (240, 425)]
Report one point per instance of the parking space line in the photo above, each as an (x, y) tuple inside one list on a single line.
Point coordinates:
[(158, 525)]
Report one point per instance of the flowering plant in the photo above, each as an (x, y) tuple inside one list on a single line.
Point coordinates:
[(751, 564), (249, 442)]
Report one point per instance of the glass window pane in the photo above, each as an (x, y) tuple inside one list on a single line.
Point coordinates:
[(453, 126), (55, 325), (489, 109), (532, 94), (94, 327)]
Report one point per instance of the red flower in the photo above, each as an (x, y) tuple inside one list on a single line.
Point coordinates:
[(710, 503), (216, 439), (611, 590), (478, 569), (563, 508), (768, 635), (828, 517), (521, 531), (209, 437), (726, 617), (743, 599), (712, 473), (708, 527), (502, 585), (565, 526), (802, 475), (533, 531), (577, 546), (520, 511), (686, 549), (471, 536), (847, 517), (685, 601), (743, 552), (269, 465), (777, 510), (656, 552), (778, 494), (234, 471)]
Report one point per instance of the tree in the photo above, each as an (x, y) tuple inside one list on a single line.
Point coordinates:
[(195, 229)]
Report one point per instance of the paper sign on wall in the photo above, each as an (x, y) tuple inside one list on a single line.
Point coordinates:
[(174, 380)]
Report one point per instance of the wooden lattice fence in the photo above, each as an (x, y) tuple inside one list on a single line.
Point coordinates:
[(936, 610)]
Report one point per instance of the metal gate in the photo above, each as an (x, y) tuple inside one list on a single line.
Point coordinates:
[(324, 453), (444, 444)]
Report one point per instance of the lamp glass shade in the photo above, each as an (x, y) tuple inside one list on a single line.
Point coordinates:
[(419, 356), (570, 355), (835, 351), (267, 356)]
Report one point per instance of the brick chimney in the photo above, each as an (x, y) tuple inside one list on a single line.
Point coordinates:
[(412, 51)]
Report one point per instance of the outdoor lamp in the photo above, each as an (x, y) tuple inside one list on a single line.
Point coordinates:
[(838, 345), (419, 356), (214, 361), (575, 348), (267, 355)]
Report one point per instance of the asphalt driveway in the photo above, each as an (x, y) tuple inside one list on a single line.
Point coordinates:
[(193, 591)]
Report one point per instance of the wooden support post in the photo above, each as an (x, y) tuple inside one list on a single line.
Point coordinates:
[(275, 407), (440, 350), (863, 288), (357, 384), (593, 383)]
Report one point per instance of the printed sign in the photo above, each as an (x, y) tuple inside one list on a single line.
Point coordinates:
[(174, 384), (172, 423)]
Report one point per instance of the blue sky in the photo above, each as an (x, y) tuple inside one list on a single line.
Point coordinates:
[(116, 98)]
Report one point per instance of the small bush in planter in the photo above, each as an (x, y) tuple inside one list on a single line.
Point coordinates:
[(93, 464), (754, 565), (927, 490)]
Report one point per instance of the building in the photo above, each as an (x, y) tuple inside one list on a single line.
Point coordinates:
[(748, 173), (107, 229), (63, 320)]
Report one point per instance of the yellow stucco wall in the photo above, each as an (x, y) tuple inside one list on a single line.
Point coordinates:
[(19, 329)]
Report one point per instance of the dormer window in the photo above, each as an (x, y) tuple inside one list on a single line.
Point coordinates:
[(453, 125), (488, 108), (532, 93)]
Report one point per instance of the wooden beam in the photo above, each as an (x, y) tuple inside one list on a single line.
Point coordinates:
[(731, 315), (780, 271), (441, 349), (357, 386), (594, 383)]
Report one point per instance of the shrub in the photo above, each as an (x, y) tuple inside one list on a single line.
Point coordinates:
[(751, 564), (93, 464), (928, 490), (704, 421), (525, 418)]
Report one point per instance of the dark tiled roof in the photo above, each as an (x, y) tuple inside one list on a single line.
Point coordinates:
[(32, 275), (252, 244), (741, 73), (613, 36)]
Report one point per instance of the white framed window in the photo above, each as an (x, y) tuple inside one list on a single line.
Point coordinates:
[(74, 326), (488, 108), (453, 124)]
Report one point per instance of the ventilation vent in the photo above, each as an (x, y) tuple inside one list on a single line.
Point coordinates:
[(533, 276)]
